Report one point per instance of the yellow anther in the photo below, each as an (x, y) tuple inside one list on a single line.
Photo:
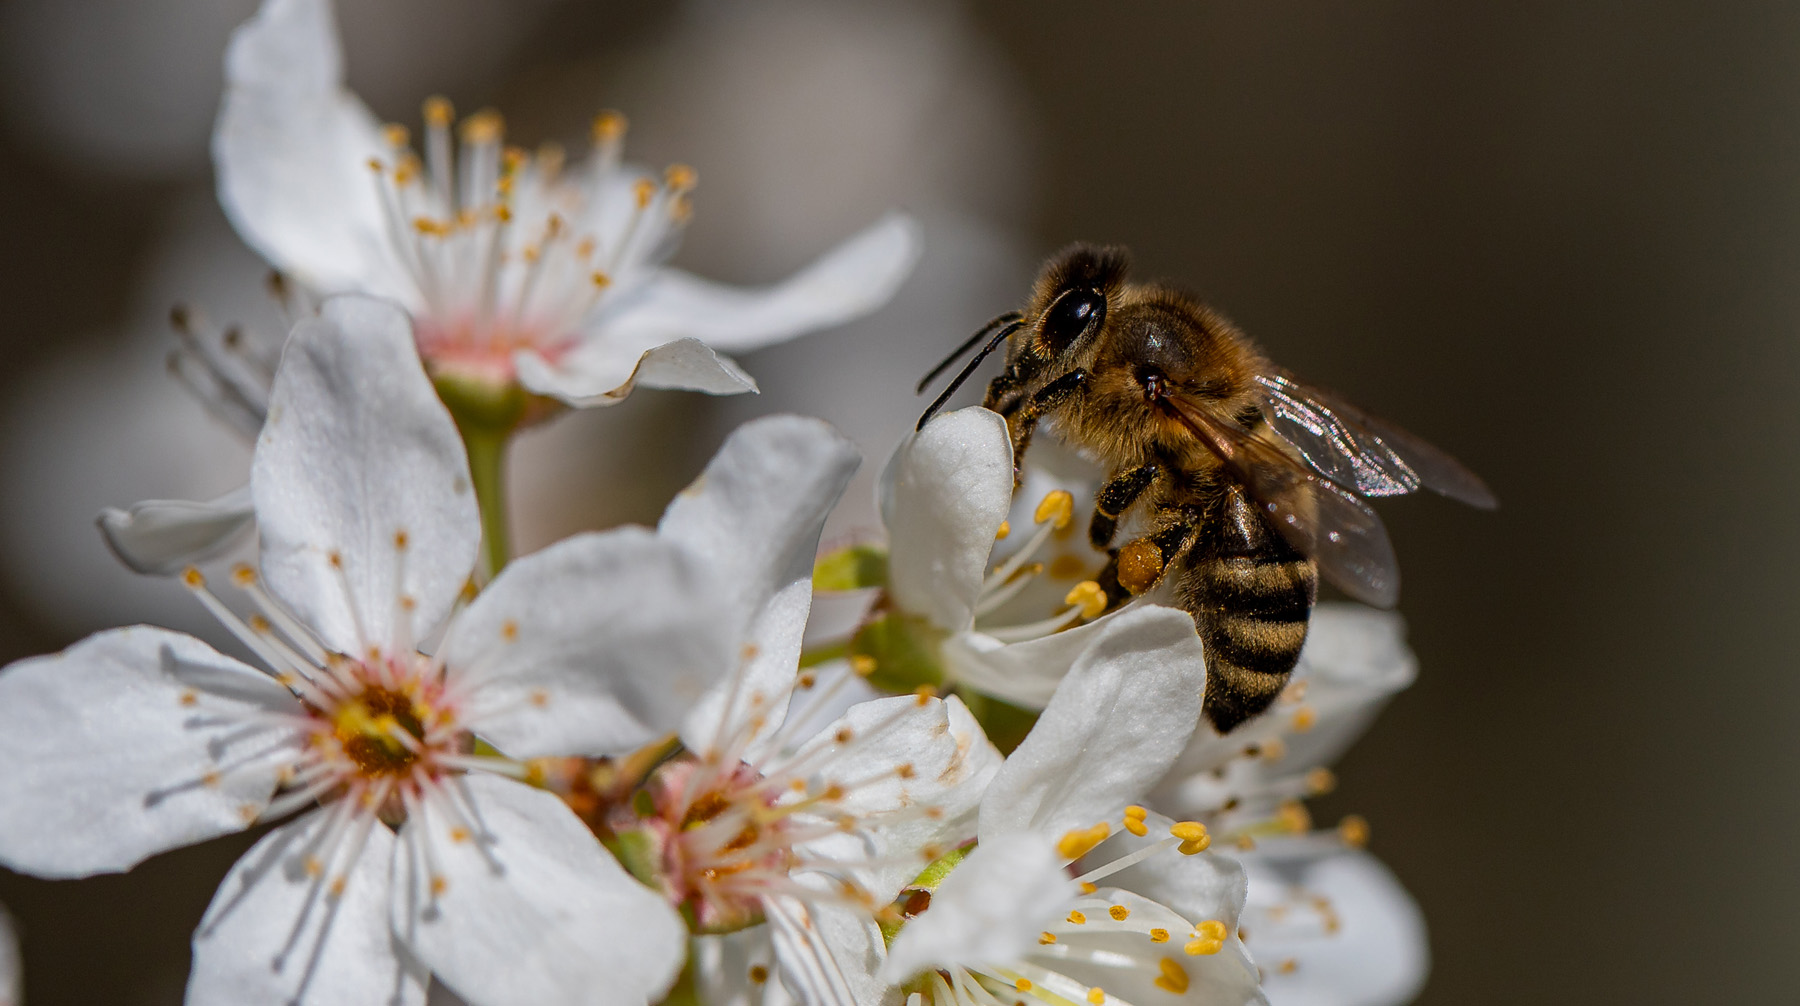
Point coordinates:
[(1320, 781), (1159, 935), (644, 191), (1134, 811), (1058, 506), (608, 125), (1202, 947), (1005, 529), (1212, 929), (439, 884), (396, 134), (1136, 826), (1119, 913), (1022, 985), (1273, 749), (843, 735), (438, 111), (1078, 842), (1292, 817), (1077, 919), (401, 539), (193, 577), (600, 280), (1287, 966), (862, 665), (1194, 837), (1294, 692), (758, 974), (1046, 938), (243, 575), (1096, 995), (338, 884), (1354, 831), (211, 779), (680, 178), (406, 171), (375, 165), (1245, 842), (1174, 978), (312, 866), (925, 694), (1304, 718), (190, 697), (503, 213), (485, 126), (259, 623), (1089, 596), (1087, 888), (509, 630)]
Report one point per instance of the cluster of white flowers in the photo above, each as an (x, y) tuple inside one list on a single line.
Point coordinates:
[(619, 770)]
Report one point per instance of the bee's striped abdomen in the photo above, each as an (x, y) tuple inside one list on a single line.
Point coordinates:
[(1251, 594)]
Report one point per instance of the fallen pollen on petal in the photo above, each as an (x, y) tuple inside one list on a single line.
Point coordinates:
[(1174, 977)]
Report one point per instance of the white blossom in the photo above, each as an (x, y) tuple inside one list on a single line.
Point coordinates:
[(514, 266), (1328, 924), (960, 572), (422, 855), (1025, 910)]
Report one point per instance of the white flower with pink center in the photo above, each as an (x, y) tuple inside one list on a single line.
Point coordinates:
[(1025, 915), (516, 267), (422, 856)]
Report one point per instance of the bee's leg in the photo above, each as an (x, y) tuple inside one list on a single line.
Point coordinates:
[(1024, 419), (1139, 565), (1003, 392), (1114, 498)]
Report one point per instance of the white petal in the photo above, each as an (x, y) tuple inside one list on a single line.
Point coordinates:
[(164, 536), (989, 911), (723, 969), (845, 283), (276, 934), (761, 685), (754, 515), (595, 645), (943, 496), (1202, 886), (107, 750), (949, 763), (601, 373), (1025, 674), (1095, 955), (1120, 718), (12, 976), (1354, 660), (291, 149), (358, 451), (812, 944), (1375, 956), (549, 919)]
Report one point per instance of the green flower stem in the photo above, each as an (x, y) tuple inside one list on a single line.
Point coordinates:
[(487, 467)]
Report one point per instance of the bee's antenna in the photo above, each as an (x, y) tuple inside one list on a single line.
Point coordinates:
[(999, 337), (986, 330)]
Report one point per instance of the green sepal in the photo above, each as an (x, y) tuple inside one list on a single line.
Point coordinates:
[(851, 568), (905, 651), (638, 855)]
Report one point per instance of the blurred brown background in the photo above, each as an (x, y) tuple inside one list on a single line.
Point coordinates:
[(1561, 240)]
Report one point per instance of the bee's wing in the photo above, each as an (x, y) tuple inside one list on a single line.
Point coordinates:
[(1320, 520), (1363, 454)]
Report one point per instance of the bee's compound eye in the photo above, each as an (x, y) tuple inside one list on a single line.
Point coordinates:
[(1069, 317)]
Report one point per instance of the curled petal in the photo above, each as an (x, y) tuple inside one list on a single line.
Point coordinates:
[(845, 283), (162, 537), (943, 496), (363, 499), (602, 373), (303, 917), (129, 743), (528, 909)]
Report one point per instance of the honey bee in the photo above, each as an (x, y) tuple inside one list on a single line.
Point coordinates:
[(1244, 482)]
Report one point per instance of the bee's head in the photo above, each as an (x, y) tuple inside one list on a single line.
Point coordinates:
[(1073, 295)]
